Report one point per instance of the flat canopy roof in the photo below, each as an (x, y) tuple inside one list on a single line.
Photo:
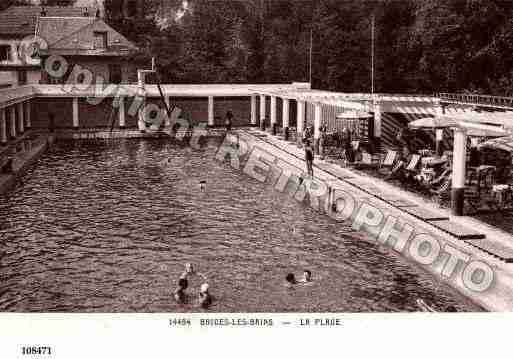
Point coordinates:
[(485, 123)]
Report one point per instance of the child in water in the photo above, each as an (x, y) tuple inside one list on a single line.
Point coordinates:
[(203, 185), (190, 272), (291, 280), (205, 299), (307, 276)]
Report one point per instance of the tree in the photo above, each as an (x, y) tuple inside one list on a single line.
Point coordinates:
[(4, 4)]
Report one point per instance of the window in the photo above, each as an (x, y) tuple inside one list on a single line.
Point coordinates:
[(115, 73), (22, 77), (5, 53), (100, 40)]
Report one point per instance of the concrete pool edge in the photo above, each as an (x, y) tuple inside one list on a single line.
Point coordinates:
[(25, 159), (497, 298)]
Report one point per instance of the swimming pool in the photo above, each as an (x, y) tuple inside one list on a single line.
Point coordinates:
[(108, 226)]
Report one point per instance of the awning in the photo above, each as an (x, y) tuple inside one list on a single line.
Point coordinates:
[(472, 128), (503, 143), (353, 115), (432, 122)]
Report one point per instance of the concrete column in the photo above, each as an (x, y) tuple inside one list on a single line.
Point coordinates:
[(300, 119), (253, 110), (439, 132), (122, 114), (262, 112), (317, 126), (439, 136), (377, 126), (286, 118), (211, 110), (28, 113), (3, 127), (458, 172), (75, 112), (21, 118), (273, 114), (12, 111)]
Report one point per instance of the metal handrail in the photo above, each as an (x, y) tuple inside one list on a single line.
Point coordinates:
[(477, 99)]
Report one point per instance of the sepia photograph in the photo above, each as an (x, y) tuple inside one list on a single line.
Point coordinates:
[(277, 157)]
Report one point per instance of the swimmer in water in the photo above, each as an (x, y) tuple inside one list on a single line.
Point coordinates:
[(451, 309), (205, 299), (290, 280), (179, 293), (307, 276), (191, 273)]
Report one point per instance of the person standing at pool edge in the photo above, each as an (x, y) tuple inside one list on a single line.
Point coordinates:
[(309, 156)]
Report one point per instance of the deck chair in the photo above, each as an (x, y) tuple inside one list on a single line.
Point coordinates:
[(442, 195), (414, 162), (388, 161), (387, 164), (367, 161), (395, 172)]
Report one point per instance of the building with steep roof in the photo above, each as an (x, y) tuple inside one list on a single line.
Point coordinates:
[(73, 33)]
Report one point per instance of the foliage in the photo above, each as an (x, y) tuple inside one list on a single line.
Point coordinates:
[(421, 46)]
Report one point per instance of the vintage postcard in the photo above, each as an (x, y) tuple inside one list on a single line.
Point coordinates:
[(335, 172)]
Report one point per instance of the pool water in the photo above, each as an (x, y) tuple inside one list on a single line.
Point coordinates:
[(108, 227)]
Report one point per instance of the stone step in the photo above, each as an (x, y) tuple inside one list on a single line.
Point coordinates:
[(457, 230), (425, 214), (493, 248)]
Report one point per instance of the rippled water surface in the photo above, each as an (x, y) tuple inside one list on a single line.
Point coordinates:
[(107, 227)]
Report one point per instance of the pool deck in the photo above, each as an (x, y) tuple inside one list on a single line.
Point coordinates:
[(105, 133), (478, 240)]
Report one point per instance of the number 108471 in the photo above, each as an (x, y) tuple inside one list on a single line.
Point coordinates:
[(36, 351)]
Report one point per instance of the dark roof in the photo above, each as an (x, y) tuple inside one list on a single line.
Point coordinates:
[(20, 21), (76, 36)]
